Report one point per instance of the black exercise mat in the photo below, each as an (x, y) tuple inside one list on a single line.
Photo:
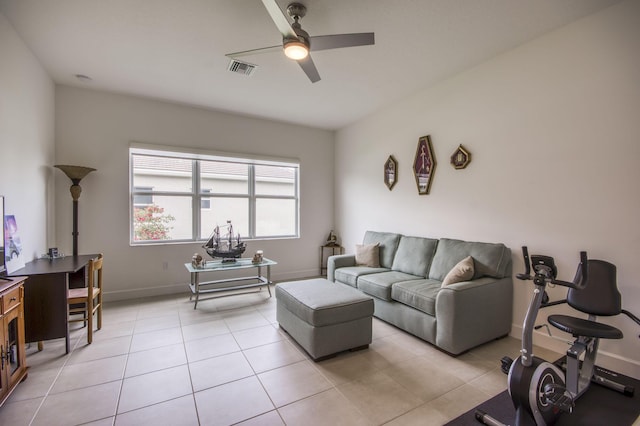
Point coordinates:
[(597, 406)]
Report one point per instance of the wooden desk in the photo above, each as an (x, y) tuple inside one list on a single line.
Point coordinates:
[(46, 312)]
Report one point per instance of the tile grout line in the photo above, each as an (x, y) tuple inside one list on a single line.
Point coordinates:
[(186, 356), (255, 374), (124, 370), (55, 379)]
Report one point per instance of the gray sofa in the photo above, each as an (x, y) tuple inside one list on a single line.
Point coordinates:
[(408, 293)]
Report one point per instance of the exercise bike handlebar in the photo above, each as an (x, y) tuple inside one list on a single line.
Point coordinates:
[(579, 282), (633, 317), (527, 268)]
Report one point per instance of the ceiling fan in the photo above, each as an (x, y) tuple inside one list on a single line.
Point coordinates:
[(297, 43)]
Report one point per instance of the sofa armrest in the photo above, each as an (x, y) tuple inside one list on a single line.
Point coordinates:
[(339, 261), (473, 312)]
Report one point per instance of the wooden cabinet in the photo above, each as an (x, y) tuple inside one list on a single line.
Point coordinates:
[(13, 365)]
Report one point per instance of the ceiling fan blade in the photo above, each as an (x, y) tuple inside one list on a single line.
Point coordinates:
[(255, 51), (279, 19), (309, 69), (337, 41)]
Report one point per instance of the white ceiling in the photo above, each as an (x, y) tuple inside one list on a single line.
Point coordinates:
[(175, 50)]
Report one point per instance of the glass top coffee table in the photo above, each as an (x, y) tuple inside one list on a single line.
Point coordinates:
[(219, 286)]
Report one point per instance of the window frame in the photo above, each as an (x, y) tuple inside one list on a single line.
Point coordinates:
[(198, 196)]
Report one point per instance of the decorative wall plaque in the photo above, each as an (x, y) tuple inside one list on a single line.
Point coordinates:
[(424, 165), (460, 158), (390, 172)]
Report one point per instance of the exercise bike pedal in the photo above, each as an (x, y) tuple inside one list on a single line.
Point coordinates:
[(506, 364), (558, 396)]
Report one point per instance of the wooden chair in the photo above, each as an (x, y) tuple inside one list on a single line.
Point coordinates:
[(89, 297)]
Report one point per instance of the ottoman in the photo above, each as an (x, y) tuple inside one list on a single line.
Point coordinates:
[(324, 317)]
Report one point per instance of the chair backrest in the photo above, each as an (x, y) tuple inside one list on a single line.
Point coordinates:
[(95, 271), (600, 296)]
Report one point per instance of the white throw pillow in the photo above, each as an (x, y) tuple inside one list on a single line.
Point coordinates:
[(463, 271), (368, 255)]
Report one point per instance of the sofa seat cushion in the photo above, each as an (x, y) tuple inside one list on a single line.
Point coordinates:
[(419, 294), (349, 275), (379, 285)]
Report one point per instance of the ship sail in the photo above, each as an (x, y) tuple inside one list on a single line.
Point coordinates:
[(227, 246)]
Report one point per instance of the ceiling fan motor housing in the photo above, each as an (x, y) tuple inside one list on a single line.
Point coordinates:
[(296, 11), (303, 36)]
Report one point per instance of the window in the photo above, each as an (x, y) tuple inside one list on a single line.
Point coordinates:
[(183, 196)]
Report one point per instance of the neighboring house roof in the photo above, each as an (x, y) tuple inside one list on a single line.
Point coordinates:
[(183, 165)]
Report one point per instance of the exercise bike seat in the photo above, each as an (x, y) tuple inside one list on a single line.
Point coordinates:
[(600, 296), (582, 327)]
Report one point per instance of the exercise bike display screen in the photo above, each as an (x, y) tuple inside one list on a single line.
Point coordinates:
[(545, 265)]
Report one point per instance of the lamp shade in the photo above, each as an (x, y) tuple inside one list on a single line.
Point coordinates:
[(75, 173)]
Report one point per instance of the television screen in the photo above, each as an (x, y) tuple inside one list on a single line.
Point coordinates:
[(3, 269)]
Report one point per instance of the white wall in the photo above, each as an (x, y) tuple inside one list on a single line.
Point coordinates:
[(26, 141), (94, 129), (554, 132)]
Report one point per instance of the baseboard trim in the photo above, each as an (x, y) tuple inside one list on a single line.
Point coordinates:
[(145, 292), (610, 361), (156, 291)]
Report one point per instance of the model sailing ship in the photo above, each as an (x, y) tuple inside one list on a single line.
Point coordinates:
[(226, 245)]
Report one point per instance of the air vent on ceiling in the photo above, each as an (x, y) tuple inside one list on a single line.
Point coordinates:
[(243, 68)]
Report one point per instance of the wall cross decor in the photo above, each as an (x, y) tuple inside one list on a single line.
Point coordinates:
[(424, 165)]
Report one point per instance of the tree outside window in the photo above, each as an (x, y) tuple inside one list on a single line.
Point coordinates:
[(151, 223)]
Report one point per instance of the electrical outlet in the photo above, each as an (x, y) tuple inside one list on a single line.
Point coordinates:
[(165, 265)]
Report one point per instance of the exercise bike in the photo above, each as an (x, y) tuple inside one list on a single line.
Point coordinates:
[(541, 391)]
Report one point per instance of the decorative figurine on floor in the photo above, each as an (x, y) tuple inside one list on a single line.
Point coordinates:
[(229, 247)]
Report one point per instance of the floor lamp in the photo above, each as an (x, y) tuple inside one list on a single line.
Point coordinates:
[(76, 174)]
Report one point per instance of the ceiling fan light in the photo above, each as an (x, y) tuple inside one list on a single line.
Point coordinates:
[(296, 50)]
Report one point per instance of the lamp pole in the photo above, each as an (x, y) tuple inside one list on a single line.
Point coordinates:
[(76, 174)]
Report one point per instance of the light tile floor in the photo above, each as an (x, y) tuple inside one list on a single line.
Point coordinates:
[(157, 361)]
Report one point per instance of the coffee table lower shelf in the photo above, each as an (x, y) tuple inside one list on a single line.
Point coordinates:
[(195, 290)]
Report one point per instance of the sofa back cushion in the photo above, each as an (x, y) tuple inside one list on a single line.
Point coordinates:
[(493, 260), (388, 245), (414, 255)]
